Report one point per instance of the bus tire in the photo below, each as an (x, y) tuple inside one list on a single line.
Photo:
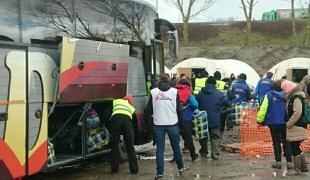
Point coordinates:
[(123, 156)]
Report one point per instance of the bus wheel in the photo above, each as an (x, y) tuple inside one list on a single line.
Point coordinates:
[(123, 156)]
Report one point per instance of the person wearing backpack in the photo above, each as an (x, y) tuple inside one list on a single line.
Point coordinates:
[(190, 104), (304, 84), (296, 127), (272, 113)]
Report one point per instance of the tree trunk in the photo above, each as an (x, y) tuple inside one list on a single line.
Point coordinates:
[(307, 35), (185, 32), (248, 31), (248, 10), (293, 18)]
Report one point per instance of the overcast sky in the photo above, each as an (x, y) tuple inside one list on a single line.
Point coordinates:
[(222, 9)]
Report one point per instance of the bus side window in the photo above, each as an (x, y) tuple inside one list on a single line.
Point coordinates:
[(5, 38)]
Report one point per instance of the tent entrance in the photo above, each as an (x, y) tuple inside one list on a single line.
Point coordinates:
[(189, 71), (198, 70), (296, 75)]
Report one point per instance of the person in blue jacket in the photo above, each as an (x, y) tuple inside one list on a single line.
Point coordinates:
[(189, 104), (240, 90), (212, 100), (263, 86), (272, 113)]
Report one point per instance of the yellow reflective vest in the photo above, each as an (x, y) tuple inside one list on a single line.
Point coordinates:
[(199, 83), (121, 106), (220, 85), (263, 110), (148, 86)]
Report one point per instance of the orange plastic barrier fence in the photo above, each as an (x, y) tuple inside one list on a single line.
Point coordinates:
[(256, 139)]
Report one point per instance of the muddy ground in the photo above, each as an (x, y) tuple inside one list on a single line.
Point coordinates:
[(229, 166)]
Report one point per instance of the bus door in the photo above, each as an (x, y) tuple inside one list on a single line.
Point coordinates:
[(158, 57), (25, 90), (142, 129), (12, 110), (41, 86)]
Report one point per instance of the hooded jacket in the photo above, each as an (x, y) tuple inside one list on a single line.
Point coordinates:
[(240, 91), (166, 110), (272, 111), (212, 100), (188, 101), (262, 87), (184, 91), (287, 86)]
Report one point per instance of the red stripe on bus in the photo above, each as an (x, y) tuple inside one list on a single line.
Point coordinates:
[(38, 160), (92, 71), (14, 167), (5, 102)]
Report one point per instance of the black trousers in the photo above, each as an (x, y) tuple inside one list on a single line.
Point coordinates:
[(203, 146), (295, 146), (223, 119), (278, 134), (182, 133), (121, 125), (186, 134)]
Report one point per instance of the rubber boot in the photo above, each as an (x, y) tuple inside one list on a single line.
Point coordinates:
[(297, 165), (277, 165), (290, 169), (304, 166), (289, 165)]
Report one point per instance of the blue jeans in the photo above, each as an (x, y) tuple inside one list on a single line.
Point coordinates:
[(174, 137)]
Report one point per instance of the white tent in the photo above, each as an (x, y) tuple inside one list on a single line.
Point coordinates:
[(281, 68), (167, 70), (226, 67)]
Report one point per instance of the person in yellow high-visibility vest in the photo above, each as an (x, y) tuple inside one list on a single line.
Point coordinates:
[(200, 82), (121, 124), (220, 85)]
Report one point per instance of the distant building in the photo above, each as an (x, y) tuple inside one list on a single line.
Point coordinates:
[(270, 16), (284, 14)]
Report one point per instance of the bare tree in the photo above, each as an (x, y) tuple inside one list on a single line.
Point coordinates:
[(305, 4), (59, 16), (293, 18), (247, 6), (132, 18), (307, 36), (12, 8), (190, 9), (62, 16)]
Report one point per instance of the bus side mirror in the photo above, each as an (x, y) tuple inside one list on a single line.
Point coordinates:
[(173, 42)]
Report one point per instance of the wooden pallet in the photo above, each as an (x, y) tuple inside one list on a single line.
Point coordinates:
[(233, 148)]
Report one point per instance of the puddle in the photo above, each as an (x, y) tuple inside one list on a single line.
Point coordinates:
[(141, 157), (202, 176)]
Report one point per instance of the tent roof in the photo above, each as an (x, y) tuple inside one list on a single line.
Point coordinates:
[(226, 67), (296, 63), (167, 70)]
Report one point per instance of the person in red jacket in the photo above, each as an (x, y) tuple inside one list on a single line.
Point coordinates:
[(189, 105)]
